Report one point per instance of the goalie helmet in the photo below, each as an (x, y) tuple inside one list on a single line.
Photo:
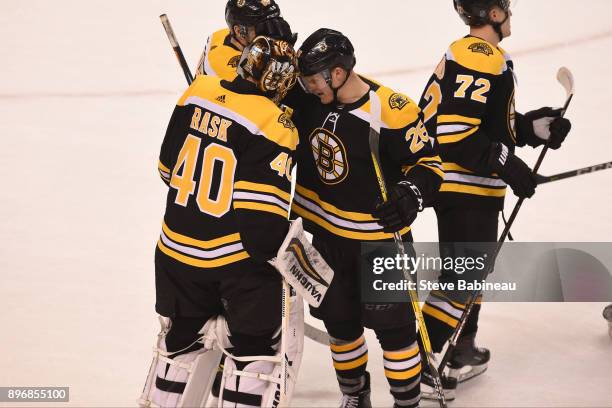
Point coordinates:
[(326, 49), (475, 13), (249, 12), (272, 64)]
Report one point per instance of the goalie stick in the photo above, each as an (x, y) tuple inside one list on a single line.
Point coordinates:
[(311, 332), (566, 79), (374, 139), (573, 173)]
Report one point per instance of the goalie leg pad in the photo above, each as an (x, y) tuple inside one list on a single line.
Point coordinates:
[(182, 378), (267, 381)]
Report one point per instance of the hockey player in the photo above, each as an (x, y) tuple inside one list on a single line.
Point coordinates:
[(336, 195), (245, 20), (226, 159), (469, 105)]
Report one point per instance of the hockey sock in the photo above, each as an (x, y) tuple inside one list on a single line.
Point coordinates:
[(350, 360), (402, 362), (441, 318)]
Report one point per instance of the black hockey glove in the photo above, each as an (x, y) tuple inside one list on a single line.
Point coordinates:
[(538, 126), (401, 208), (277, 28), (512, 170)]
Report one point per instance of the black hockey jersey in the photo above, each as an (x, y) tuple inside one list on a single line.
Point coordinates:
[(220, 57), (337, 189), (468, 104), (227, 158)]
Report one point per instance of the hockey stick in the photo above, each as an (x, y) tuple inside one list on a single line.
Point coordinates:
[(176, 47), (573, 173), (374, 139), (311, 332), (566, 79)]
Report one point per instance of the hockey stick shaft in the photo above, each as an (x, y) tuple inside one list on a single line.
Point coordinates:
[(567, 81), (374, 139), (177, 48), (574, 173), (311, 332)]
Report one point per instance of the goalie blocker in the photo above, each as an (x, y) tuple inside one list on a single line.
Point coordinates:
[(302, 266)]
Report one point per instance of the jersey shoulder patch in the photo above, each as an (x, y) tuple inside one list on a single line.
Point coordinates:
[(397, 109), (222, 59), (477, 55)]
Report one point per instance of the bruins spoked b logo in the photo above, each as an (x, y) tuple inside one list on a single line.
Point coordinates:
[(330, 156)]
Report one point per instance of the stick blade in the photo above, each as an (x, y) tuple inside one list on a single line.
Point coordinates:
[(566, 79)]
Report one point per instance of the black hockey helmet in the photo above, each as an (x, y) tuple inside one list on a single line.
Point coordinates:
[(324, 50), (249, 12), (277, 28), (272, 64), (475, 13)]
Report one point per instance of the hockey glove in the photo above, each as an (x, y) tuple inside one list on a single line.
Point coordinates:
[(538, 126), (512, 170), (401, 208), (277, 28)]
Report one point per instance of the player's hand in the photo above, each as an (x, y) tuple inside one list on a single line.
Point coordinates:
[(546, 124), (401, 208), (277, 28), (512, 170)]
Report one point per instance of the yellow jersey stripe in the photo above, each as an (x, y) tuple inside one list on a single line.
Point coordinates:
[(353, 216), (459, 119), (455, 167), (256, 206), (200, 263), (363, 236), (423, 161), (162, 167), (262, 188), (457, 137), (183, 239), (482, 191)]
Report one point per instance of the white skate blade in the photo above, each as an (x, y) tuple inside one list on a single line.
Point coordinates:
[(471, 372), (429, 393)]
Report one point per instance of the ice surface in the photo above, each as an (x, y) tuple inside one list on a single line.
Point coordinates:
[(86, 90)]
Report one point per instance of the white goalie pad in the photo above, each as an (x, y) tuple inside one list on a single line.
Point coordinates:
[(268, 381), (303, 266), (183, 378)]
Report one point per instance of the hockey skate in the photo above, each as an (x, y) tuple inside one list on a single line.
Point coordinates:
[(428, 391), (607, 314), (467, 360), (360, 399)]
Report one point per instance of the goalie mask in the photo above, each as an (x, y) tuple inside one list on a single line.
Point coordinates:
[(272, 64)]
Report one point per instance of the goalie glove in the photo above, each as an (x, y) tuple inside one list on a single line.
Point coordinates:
[(545, 124), (404, 202), (512, 170)]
